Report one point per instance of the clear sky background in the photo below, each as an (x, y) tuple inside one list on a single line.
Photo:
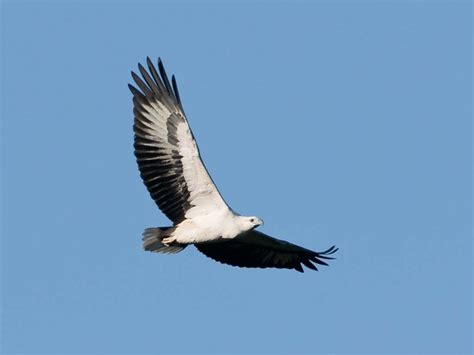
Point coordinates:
[(345, 123)]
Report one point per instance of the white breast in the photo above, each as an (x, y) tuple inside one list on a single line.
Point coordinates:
[(208, 227)]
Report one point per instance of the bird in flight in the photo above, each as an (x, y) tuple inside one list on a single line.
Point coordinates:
[(174, 174)]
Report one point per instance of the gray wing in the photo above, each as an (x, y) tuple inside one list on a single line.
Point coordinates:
[(167, 154), (258, 250)]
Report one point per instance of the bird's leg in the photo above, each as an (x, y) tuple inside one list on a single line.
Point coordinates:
[(168, 240)]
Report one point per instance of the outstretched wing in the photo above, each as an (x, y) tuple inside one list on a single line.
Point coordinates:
[(167, 154), (256, 249)]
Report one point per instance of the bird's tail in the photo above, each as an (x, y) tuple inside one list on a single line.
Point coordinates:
[(153, 237)]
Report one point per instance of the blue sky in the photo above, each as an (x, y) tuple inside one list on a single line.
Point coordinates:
[(344, 123)]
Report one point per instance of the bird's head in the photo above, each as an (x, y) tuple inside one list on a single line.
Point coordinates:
[(251, 222)]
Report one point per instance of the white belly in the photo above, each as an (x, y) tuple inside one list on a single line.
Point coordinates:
[(207, 228)]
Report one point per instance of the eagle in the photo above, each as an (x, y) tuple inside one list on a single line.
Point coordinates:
[(174, 174)]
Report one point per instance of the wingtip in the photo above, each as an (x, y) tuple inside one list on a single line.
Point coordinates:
[(149, 62), (134, 76), (298, 267), (161, 66), (317, 260), (325, 254), (309, 264), (329, 251), (134, 90)]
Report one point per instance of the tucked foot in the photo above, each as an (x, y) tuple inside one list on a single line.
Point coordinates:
[(168, 240)]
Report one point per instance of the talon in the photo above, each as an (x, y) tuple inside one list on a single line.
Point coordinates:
[(168, 240)]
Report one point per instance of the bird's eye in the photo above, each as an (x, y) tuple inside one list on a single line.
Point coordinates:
[(252, 220)]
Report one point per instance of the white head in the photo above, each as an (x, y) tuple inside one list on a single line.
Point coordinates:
[(249, 223)]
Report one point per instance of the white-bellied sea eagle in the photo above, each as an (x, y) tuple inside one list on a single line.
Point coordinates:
[(177, 180)]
